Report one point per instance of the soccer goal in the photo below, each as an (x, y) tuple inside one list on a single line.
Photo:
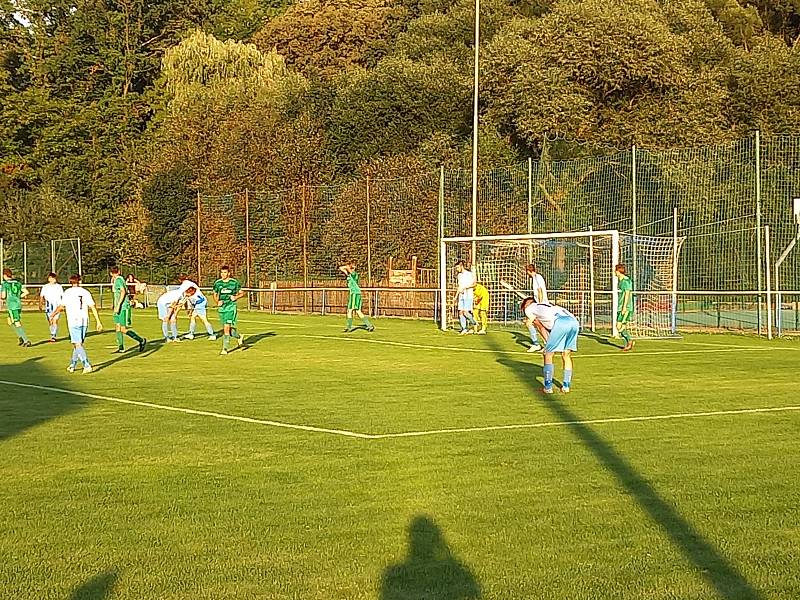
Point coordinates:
[(578, 268)]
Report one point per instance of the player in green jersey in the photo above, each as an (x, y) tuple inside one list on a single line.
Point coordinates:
[(226, 292), (12, 291), (122, 312), (625, 306), (354, 299)]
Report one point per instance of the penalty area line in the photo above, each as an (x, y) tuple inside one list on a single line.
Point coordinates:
[(409, 434), (191, 411), (578, 354)]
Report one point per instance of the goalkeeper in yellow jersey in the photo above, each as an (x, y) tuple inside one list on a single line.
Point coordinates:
[(481, 295)]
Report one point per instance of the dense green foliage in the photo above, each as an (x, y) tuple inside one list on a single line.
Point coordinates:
[(102, 104), (106, 500)]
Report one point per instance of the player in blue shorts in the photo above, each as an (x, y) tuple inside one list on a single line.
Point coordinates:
[(77, 302), (197, 303), (49, 300), (559, 328)]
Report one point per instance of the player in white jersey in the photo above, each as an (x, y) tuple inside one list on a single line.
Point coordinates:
[(539, 294), (197, 303), (49, 301), (559, 328), (168, 308), (77, 302), (465, 298)]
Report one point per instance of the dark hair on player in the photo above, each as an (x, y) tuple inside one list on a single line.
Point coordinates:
[(460, 263), (7, 272), (526, 302), (114, 270), (531, 268), (73, 279), (53, 275), (225, 268), (621, 268)]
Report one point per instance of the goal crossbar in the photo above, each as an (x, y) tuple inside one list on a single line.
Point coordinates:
[(611, 234)]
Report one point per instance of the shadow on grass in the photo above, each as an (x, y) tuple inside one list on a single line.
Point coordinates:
[(98, 587), (725, 578), (430, 570), (522, 339), (132, 352), (252, 340), (22, 408), (601, 339)]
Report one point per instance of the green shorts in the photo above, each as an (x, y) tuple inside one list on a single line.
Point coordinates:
[(228, 314), (354, 302), (15, 314), (626, 318), (123, 317)]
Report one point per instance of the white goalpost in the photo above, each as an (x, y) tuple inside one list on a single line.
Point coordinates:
[(578, 268)]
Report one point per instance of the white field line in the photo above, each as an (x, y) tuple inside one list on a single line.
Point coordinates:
[(404, 434), (190, 411), (488, 351)]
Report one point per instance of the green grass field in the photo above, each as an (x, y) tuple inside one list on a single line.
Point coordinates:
[(586, 499)]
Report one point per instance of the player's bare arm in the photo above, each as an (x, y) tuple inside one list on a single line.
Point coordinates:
[(98, 324), (543, 331), (54, 316)]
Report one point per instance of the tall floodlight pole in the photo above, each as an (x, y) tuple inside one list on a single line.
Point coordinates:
[(475, 134)]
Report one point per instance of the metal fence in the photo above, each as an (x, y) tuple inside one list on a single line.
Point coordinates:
[(733, 205)]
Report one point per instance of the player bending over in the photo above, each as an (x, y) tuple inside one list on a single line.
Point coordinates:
[(481, 299), (539, 294), (197, 303), (12, 291), (123, 316), (77, 302), (226, 292), (354, 299), (49, 300), (169, 317), (559, 328), (465, 297), (626, 306)]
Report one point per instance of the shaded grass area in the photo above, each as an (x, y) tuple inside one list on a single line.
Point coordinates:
[(107, 500)]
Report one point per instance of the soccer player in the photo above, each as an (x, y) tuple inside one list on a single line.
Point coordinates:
[(354, 299), (226, 292), (49, 299), (196, 301), (122, 313), (169, 316), (481, 298), (77, 302), (465, 297), (539, 294), (12, 291), (626, 306), (559, 328)]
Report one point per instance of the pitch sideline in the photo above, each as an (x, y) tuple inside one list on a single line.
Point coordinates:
[(404, 434)]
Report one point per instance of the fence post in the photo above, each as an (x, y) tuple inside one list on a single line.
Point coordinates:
[(305, 246), (80, 260), (199, 265), (369, 240), (633, 215), (591, 280), (25, 263), (759, 258), (769, 290), (2, 255), (53, 256), (674, 270), (247, 241)]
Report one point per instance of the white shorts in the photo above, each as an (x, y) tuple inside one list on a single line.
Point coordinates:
[(466, 300), (199, 309), (77, 333), (163, 310)]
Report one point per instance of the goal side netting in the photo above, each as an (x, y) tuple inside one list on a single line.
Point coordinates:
[(578, 268)]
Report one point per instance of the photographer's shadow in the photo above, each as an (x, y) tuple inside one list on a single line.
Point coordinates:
[(430, 569)]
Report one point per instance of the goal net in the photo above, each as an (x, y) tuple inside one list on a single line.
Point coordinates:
[(578, 268)]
